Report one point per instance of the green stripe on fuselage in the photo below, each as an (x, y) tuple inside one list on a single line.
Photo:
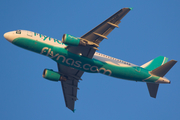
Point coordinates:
[(63, 56)]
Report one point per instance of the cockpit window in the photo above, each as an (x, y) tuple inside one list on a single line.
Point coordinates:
[(18, 31)]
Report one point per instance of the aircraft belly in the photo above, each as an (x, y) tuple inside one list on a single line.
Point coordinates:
[(129, 73), (63, 56)]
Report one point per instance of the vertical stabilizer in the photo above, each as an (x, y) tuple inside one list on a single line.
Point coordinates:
[(155, 63)]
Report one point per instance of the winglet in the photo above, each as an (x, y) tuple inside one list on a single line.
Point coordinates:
[(74, 110), (130, 8)]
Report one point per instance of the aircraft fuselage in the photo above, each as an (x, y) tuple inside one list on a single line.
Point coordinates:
[(100, 63)]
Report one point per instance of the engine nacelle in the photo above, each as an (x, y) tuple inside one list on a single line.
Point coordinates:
[(52, 75), (73, 41)]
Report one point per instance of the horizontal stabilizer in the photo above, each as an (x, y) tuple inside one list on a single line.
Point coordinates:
[(153, 88), (163, 69)]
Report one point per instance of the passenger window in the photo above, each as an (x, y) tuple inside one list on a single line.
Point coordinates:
[(18, 32)]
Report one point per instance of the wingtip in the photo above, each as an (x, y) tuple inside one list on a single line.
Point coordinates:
[(175, 61), (74, 110), (130, 8)]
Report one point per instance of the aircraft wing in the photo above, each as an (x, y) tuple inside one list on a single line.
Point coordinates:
[(97, 34), (70, 86), (93, 38)]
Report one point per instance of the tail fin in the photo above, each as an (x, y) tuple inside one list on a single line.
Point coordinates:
[(155, 63), (159, 71), (163, 69)]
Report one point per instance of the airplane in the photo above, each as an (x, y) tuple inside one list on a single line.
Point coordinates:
[(76, 55)]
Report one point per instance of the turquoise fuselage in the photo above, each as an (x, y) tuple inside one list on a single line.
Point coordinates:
[(62, 56)]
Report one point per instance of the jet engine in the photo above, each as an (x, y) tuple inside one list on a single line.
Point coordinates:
[(52, 75), (73, 41)]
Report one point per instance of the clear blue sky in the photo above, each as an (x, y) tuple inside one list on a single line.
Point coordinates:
[(151, 29)]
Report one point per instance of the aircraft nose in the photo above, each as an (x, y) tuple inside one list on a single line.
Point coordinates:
[(8, 36)]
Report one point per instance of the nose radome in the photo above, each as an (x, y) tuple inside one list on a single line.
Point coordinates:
[(9, 36), (5, 35)]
